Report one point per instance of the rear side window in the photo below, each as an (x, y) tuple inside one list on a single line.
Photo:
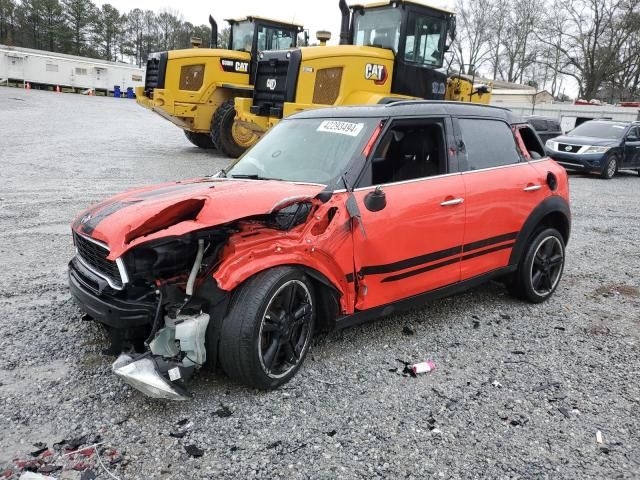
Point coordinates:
[(486, 144), (539, 124)]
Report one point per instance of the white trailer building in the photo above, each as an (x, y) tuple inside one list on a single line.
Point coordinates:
[(50, 69)]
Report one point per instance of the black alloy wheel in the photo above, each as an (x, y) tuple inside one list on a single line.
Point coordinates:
[(540, 270), (546, 268), (285, 329), (267, 332)]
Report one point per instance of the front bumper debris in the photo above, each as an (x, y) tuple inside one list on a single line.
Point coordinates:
[(150, 374), (176, 351)]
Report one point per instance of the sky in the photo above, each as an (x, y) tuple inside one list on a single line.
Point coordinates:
[(313, 14)]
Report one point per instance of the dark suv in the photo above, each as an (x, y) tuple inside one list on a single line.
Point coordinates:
[(598, 146), (546, 127)]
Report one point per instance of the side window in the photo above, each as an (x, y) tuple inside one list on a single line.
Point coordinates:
[(634, 132), (533, 147), (425, 40), (407, 152), (487, 143), (272, 38)]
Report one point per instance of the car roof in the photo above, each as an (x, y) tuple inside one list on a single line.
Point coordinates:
[(414, 108)]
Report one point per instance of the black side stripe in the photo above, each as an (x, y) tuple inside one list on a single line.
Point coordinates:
[(433, 256), (490, 241), (411, 262), (428, 268)]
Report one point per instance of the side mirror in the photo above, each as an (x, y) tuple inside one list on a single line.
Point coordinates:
[(376, 200)]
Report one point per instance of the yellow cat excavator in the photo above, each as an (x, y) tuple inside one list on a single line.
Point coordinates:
[(389, 50), (195, 88)]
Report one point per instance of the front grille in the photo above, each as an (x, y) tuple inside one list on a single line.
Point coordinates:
[(154, 77), (275, 82), (95, 257), (563, 147)]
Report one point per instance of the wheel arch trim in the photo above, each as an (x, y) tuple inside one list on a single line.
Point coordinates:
[(548, 209)]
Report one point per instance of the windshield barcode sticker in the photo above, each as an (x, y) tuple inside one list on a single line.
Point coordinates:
[(344, 128)]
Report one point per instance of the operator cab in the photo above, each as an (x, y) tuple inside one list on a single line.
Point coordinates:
[(419, 35), (257, 34)]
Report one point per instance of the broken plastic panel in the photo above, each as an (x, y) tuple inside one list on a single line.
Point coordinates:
[(143, 374), (175, 352)]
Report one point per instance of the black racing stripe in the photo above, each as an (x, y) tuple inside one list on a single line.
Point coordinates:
[(490, 250), (428, 268), (418, 271), (90, 225), (411, 262), (489, 241)]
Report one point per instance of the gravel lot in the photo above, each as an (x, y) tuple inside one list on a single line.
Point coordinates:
[(520, 391)]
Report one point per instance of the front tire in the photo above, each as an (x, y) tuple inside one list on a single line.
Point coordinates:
[(200, 140), (230, 138), (540, 270), (610, 168), (266, 335)]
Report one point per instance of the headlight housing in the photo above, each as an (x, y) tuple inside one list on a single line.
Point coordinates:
[(551, 145), (595, 149)]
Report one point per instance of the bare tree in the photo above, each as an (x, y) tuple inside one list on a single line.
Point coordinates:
[(472, 48), (592, 41)]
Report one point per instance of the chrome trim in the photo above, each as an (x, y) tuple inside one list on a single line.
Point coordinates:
[(495, 168), (99, 274), (93, 240), (413, 180), (449, 203), (124, 276), (532, 188), (563, 162)]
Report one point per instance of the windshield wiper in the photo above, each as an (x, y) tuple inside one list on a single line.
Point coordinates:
[(252, 176)]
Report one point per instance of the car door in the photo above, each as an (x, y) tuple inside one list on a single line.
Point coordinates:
[(632, 148), (501, 190), (412, 245)]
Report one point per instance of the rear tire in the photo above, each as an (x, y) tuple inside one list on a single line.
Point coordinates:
[(224, 133), (201, 140), (541, 268), (268, 330), (610, 168)]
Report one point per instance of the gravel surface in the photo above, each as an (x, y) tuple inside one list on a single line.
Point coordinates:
[(520, 391)]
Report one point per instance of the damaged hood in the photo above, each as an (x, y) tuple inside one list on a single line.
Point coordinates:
[(174, 209)]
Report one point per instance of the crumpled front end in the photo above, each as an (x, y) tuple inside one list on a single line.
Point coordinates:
[(157, 267)]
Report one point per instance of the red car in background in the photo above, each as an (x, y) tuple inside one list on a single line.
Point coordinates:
[(335, 217)]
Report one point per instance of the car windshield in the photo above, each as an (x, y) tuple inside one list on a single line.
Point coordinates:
[(313, 150), (242, 36), (379, 27), (605, 130)]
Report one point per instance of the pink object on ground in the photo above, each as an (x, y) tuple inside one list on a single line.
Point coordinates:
[(423, 367)]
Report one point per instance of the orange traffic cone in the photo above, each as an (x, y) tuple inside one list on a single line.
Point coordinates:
[(28, 86), (58, 88)]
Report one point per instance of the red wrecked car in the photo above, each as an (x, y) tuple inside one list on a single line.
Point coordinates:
[(335, 217)]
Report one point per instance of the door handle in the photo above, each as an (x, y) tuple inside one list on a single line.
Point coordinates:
[(532, 188), (449, 203)]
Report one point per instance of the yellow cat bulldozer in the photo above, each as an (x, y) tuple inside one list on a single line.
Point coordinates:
[(195, 88), (389, 51)]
